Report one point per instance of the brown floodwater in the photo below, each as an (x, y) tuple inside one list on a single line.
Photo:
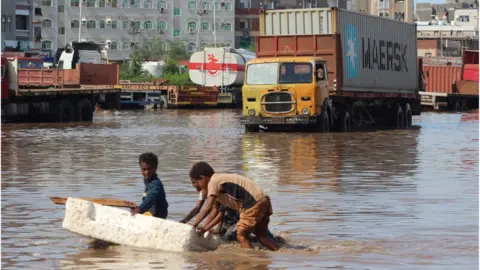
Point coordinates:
[(390, 199)]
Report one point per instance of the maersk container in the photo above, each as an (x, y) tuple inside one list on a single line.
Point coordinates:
[(378, 54)]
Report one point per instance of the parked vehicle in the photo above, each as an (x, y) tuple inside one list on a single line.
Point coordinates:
[(453, 84), (331, 69), (221, 67)]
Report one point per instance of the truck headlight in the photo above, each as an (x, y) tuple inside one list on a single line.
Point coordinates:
[(251, 112), (305, 111)]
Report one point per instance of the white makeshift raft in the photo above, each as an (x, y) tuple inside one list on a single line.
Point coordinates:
[(118, 226)]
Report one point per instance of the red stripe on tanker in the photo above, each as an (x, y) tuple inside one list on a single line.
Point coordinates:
[(218, 66)]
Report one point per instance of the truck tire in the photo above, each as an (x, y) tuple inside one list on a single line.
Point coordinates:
[(84, 111), (65, 111), (324, 124), (408, 115), (163, 102), (345, 123), (399, 117), (252, 128)]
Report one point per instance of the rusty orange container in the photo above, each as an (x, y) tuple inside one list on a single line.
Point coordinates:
[(93, 74), (34, 77), (441, 79)]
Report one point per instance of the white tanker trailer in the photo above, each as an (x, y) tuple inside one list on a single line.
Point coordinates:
[(221, 67)]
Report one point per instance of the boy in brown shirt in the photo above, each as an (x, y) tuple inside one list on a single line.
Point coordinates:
[(238, 193)]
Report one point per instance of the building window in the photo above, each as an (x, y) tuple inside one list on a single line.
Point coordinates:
[(113, 46), (217, 27), (114, 25), (192, 5), (147, 25), (204, 26), (101, 24), (126, 45), (47, 23), (46, 45), (228, 27), (125, 24), (114, 3), (61, 8), (90, 3), (176, 12), (162, 25), (101, 3), (126, 3), (228, 6), (244, 4), (176, 32), (243, 24), (91, 24), (75, 24), (148, 4), (22, 22), (61, 30), (47, 3), (192, 26), (137, 4), (138, 25), (217, 6), (75, 3), (204, 5), (204, 45), (161, 4), (191, 46)]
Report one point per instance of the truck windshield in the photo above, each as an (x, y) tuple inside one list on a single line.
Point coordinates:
[(296, 73), (264, 73)]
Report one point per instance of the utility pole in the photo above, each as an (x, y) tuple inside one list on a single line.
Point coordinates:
[(80, 21)]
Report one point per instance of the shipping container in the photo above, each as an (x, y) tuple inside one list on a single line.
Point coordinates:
[(442, 61), (378, 54), (441, 79)]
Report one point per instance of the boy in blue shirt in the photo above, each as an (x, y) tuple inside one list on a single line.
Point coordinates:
[(154, 199)]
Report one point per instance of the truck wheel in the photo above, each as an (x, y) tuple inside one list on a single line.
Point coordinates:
[(324, 122), (65, 111), (252, 128), (345, 123), (84, 111), (400, 118), (408, 115), (163, 102)]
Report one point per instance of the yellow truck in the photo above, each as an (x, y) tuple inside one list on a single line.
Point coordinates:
[(360, 70)]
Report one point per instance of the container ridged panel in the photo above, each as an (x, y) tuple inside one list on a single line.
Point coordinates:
[(297, 22)]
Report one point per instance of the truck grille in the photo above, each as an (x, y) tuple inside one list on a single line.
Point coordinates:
[(278, 102)]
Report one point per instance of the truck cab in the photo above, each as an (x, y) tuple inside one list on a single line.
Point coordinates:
[(284, 91), (78, 52)]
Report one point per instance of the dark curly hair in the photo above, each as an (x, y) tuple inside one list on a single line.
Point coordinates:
[(201, 168), (149, 158)]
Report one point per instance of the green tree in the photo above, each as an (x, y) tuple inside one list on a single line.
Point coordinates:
[(253, 46)]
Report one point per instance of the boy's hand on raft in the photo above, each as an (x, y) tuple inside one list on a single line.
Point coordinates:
[(135, 211), (132, 205), (200, 231)]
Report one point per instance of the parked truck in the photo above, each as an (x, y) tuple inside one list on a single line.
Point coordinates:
[(331, 69), (451, 83), (31, 93), (223, 68)]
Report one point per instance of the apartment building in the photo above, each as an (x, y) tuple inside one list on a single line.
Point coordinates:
[(121, 24), (17, 27), (401, 10)]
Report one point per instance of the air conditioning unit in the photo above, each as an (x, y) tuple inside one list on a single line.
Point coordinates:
[(84, 21), (161, 31), (191, 31), (83, 40), (109, 21), (162, 10), (222, 3)]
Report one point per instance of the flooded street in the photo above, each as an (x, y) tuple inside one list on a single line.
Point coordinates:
[(397, 199)]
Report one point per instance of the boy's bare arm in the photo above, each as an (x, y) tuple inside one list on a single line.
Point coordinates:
[(218, 218), (194, 211), (206, 210)]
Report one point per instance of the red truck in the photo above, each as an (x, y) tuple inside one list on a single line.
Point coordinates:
[(452, 84), (31, 93)]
